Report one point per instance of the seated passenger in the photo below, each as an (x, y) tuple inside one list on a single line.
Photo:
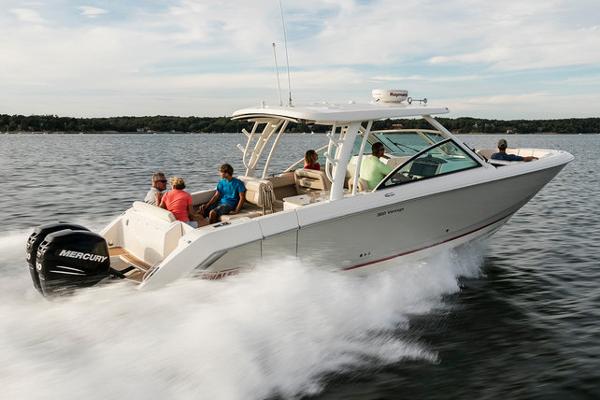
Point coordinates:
[(179, 202), (310, 160), (372, 169), (159, 184), (502, 155), (229, 197)]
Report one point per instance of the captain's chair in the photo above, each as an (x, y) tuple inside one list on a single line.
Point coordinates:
[(309, 180)]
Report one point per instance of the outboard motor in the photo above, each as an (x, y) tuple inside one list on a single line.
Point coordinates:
[(34, 241), (69, 259)]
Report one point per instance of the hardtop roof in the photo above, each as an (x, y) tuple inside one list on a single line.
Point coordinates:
[(328, 113)]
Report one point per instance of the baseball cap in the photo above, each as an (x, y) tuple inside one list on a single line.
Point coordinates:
[(502, 143)]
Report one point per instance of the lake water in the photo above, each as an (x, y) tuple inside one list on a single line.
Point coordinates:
[(518, 317)]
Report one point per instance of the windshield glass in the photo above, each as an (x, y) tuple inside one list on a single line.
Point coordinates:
[(400, 143), (442, 159)]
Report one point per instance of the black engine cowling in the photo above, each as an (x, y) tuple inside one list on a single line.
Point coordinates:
[(70, 259), (34, 241)]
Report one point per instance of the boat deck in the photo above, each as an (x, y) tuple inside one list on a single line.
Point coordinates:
[(129, 265)]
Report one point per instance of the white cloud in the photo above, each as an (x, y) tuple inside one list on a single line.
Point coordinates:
[(535, 105), (91, 12), (339, 50), (27, 15), (424, 78)]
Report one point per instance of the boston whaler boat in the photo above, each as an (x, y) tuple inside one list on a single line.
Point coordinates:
[(440, 194)]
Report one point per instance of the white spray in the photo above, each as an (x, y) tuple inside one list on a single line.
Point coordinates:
[(276, 330)]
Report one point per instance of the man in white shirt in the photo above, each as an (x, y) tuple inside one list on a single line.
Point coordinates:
[(159, 184)]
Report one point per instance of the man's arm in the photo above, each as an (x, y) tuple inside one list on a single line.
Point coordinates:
[(240, 203), (213, 199)]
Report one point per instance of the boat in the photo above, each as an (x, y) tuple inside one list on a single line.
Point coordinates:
[(440, 194)]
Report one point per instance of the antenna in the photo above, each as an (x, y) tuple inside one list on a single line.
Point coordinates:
[(277, 71), (287, 59)]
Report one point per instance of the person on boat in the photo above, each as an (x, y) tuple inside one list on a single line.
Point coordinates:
[(372, 169), (504, 156), (179, 202), (311, 160), (229, 197), (159, 184)]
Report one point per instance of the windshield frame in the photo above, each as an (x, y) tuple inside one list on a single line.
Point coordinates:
[(382, 184), (388, 142)]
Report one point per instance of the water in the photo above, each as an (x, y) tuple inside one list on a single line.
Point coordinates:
[(518, 319)]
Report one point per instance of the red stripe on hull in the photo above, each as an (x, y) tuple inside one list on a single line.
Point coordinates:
[(421, 248)]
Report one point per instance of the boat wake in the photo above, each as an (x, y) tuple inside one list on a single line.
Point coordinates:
[(275, 331)]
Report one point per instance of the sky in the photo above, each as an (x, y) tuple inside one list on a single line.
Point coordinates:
[(510, 59)]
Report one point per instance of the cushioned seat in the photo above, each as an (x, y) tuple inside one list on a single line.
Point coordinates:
[(284, 185), (249, 211), (150, 233), (259, 199), (153, 211), (308, 180), (362, 185)]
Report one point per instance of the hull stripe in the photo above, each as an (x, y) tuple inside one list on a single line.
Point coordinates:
[(421, 248)]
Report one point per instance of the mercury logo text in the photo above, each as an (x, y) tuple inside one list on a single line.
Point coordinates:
[(82, 256)]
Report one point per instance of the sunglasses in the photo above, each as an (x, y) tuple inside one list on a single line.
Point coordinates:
[(162, 180)]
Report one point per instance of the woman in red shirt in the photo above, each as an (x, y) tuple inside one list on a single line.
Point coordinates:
[(310, 160), (178, 201)]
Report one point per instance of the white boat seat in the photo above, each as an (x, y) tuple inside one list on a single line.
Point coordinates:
[(362, 185), (150, 233), (284, 185), (308, 180), (259, 199), (249, 211), (153, 211), (258, 191)]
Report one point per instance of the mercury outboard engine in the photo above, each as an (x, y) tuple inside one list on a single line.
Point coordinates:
[(63, 257), (36, 238)]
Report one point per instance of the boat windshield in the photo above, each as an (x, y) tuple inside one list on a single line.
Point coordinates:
[(443, 158), (401, 143)]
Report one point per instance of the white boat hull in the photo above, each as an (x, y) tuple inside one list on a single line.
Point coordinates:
[(370, 239)]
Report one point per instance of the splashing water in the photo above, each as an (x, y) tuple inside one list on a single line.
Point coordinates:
[(274, 331)]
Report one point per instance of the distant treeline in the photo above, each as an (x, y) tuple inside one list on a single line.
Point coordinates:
[(159, 123)]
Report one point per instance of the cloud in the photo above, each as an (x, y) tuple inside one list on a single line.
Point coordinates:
[(91, 12), (339, 50), (27, 15), (421, 78), (534, 105)]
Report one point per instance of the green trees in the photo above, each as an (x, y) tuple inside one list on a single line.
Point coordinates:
[(171, 124)]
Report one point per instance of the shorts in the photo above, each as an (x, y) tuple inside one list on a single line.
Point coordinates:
[(220, 209), (193, 224)]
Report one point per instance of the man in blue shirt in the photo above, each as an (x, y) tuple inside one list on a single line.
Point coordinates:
[(228, 198), (502, 155)]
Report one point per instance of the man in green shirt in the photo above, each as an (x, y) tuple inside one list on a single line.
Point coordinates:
[(372, 169)]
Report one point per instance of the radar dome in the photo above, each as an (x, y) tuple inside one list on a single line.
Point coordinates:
[(389, 95)]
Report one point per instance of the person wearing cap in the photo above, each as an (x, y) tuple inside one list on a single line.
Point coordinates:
[(179, 202), (159, 184), (504, 156)]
